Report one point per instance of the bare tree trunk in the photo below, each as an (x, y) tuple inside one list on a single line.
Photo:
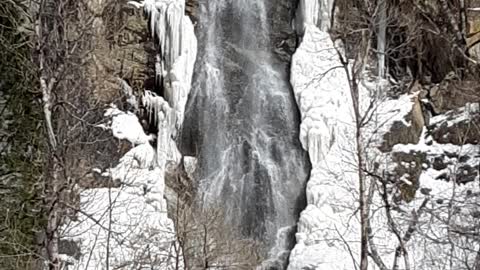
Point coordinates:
[(52, 182), (352, 77), (363, 205), (377, 259), (52, 223), (354, 91), (463, 18), (381, 38)]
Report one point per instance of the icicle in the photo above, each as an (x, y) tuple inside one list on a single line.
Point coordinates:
[(164, 118), (174, 34), (154, 105), (315, 12), (158, 70)]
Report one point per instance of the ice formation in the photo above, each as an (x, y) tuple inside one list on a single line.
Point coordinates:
[(163, 116), (177, 45), (126, 226), (177, 49), (327, 133), (314, 12)]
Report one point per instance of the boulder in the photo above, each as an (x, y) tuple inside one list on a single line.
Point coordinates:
[(407, 131)]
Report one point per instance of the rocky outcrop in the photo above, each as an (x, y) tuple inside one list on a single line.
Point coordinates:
[(120, 53), (473, 35), (406, 130), (191, 8), (448, 121), (450, 147), (118, 61)]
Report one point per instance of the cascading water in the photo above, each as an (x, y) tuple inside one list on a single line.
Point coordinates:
[(242, 122)]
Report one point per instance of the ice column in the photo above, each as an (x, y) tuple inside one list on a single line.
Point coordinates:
[(327, 133)]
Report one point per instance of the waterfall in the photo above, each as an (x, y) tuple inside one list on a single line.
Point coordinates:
[(242, 122)]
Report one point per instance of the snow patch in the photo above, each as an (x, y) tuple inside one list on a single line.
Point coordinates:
[(125, 125)]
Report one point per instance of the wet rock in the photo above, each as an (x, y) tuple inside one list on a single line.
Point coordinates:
[(425, 191)]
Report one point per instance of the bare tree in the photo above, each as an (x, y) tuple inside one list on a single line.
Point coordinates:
[(208, 243), (63, 36), (354, 70)]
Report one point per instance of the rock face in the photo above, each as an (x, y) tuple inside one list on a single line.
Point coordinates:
[(242, 122), (137, 212), (119, 52)]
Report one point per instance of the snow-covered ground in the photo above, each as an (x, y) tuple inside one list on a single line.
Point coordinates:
[(114, 227)]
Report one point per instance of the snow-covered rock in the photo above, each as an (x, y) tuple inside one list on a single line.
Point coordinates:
[(114, 227), (125, 125)]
